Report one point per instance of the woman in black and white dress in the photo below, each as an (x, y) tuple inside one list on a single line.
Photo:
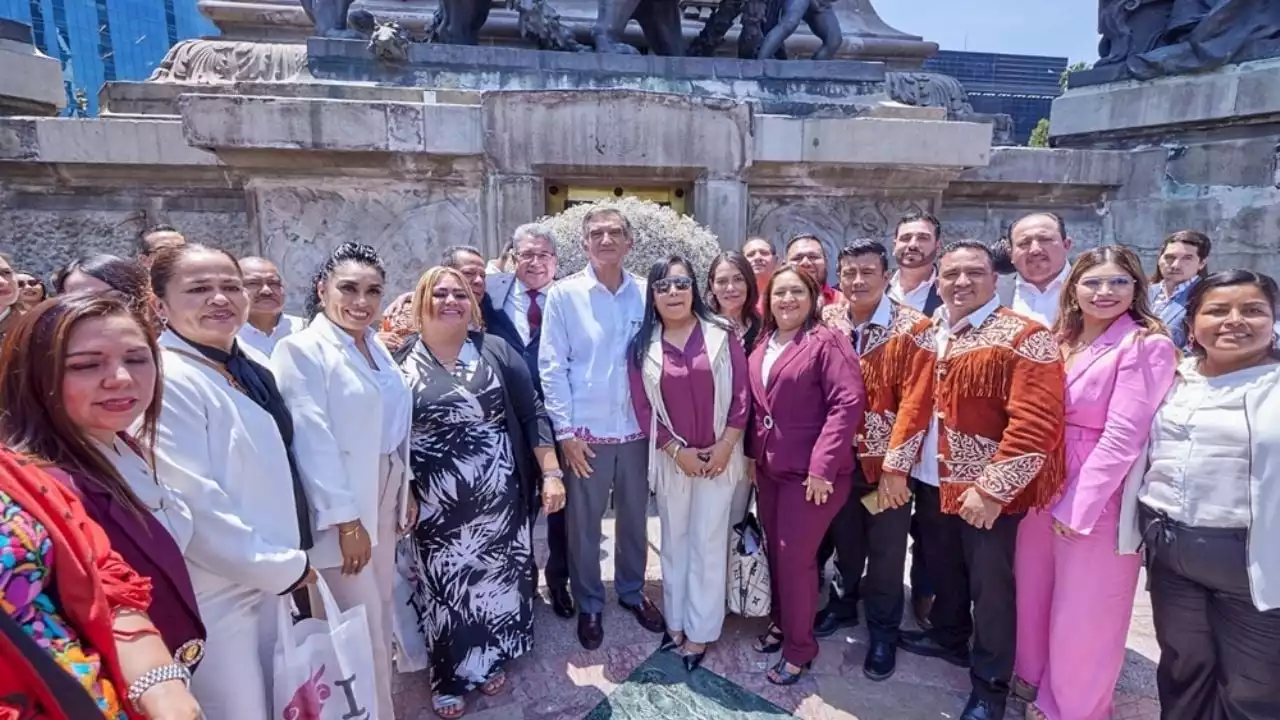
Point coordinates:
[(481, 452)]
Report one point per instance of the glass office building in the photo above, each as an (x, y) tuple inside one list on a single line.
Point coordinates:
[(98, 41), (1022, 86)]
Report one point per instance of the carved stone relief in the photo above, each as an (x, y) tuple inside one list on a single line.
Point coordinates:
[(408, 224), (835, 220)]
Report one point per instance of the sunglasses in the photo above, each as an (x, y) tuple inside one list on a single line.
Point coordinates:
[(665, 284), (30, 283)]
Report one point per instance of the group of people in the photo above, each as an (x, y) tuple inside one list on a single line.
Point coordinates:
[(180, 455)]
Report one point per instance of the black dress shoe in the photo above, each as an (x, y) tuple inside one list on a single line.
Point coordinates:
[(647, 614), (830, 619), (919, 643), (692, 661), (561, 602), (590, 631), (980, 709), (921, 605), (882, 660)]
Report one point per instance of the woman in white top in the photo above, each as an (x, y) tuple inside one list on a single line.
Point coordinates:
[(350, 407), (223, 442), (1208, 509), (92, 355)]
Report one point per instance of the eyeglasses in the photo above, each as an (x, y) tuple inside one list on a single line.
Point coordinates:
[(1115, 283), (30, 283), (531, 256), (666, 284)]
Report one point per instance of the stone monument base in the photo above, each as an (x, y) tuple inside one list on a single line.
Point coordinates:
[(30, 81), (785, 87)]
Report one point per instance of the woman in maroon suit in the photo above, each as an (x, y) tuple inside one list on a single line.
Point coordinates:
[(807, 397)]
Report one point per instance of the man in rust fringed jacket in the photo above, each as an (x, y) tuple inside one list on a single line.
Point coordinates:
[(895, 350), (992, 442)]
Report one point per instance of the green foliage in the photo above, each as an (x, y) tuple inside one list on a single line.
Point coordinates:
[(1073, 67), (1040, 135)]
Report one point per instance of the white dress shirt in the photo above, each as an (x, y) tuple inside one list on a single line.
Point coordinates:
[(165, 504), (516, 306), (266, 343), (397, 400), (926, 470), (1039, 305), (772, 352), (918, 296), (582, 359), (882, 317)]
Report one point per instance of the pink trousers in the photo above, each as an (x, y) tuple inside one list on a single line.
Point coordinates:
[(1075, 600)]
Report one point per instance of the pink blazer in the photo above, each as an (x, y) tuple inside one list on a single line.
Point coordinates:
[(805, 422), (1113, 389)]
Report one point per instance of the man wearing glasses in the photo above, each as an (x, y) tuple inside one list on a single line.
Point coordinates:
[(520, 296), (268, 323)]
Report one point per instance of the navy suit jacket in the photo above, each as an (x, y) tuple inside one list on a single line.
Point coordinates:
[(496, 322)]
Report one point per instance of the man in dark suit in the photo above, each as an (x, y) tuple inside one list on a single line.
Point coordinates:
[(511, 306)]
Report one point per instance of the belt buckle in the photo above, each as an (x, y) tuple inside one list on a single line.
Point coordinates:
[(767, 422)]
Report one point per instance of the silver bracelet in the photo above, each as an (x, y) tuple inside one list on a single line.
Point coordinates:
[(155, 676)]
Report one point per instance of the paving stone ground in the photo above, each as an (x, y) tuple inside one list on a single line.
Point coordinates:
[(561, 681)]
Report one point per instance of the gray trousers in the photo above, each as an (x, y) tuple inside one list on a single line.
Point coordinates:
[(623, 470)]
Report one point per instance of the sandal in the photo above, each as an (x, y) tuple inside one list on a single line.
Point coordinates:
[(495, 683), (449, 707), (669, 643), (770, 642), (783, 675)]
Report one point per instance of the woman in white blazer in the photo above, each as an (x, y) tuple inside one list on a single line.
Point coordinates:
[(222, 442), (351, 412)]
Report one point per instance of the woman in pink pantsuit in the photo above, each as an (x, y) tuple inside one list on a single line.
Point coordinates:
[(1075, 591)]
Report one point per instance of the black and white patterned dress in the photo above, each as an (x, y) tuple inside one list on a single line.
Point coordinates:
[(473, 537)]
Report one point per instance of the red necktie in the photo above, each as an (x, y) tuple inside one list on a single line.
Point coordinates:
[(535, 313)]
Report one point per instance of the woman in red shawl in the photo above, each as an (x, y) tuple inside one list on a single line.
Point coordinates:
[(66, 597)]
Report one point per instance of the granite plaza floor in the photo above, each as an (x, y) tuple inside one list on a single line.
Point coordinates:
[(561, 681)]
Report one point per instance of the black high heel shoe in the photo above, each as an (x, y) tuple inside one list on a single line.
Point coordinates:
[(667, 644), (770, 642), (693, 660), (785, 676)]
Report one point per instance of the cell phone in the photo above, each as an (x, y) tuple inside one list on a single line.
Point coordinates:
[(871, 501)]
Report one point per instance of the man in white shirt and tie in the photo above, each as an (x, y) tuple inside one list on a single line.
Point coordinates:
[(1038, 248), (587, 321), (268, 324)]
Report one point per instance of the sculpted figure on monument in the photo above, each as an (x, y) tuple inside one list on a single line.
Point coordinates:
[(659, 19), (1151, 38), (821, 18), (330, 17)]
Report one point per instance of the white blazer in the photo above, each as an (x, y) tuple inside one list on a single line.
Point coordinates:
[(224, 454), (336, 406)]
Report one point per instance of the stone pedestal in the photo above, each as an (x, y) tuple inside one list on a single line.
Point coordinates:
[(30, 81), (1204, 155)]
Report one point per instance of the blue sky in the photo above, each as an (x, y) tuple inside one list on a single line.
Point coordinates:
[(1027, 27)]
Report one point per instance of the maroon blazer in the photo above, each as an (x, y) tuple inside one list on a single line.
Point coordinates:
[(805, 422), (146, 545)]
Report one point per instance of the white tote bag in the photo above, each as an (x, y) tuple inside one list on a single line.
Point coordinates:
[(324, 668), (411, 647), (748, 593)]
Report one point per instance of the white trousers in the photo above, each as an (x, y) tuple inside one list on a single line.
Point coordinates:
[(695, 551), (371, 586), (234, 680)]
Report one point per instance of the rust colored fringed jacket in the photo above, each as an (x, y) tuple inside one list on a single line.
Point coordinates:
[(999, 395), (93, 584), (897, 363)]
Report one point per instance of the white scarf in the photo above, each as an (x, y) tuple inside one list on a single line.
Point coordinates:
[(662, 467)]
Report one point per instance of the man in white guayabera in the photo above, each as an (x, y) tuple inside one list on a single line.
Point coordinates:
[(587, 320)]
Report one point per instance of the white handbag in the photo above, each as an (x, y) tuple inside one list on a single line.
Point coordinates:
[(748, 593), (410, 644), (324, 668)]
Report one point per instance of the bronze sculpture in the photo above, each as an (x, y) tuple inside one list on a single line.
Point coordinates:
[(821, 18), (1150, 38), (659, 19)]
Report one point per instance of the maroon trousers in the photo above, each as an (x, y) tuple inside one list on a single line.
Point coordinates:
[(794, 528)]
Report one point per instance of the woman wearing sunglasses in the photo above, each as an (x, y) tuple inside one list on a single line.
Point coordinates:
[(688, 375)]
